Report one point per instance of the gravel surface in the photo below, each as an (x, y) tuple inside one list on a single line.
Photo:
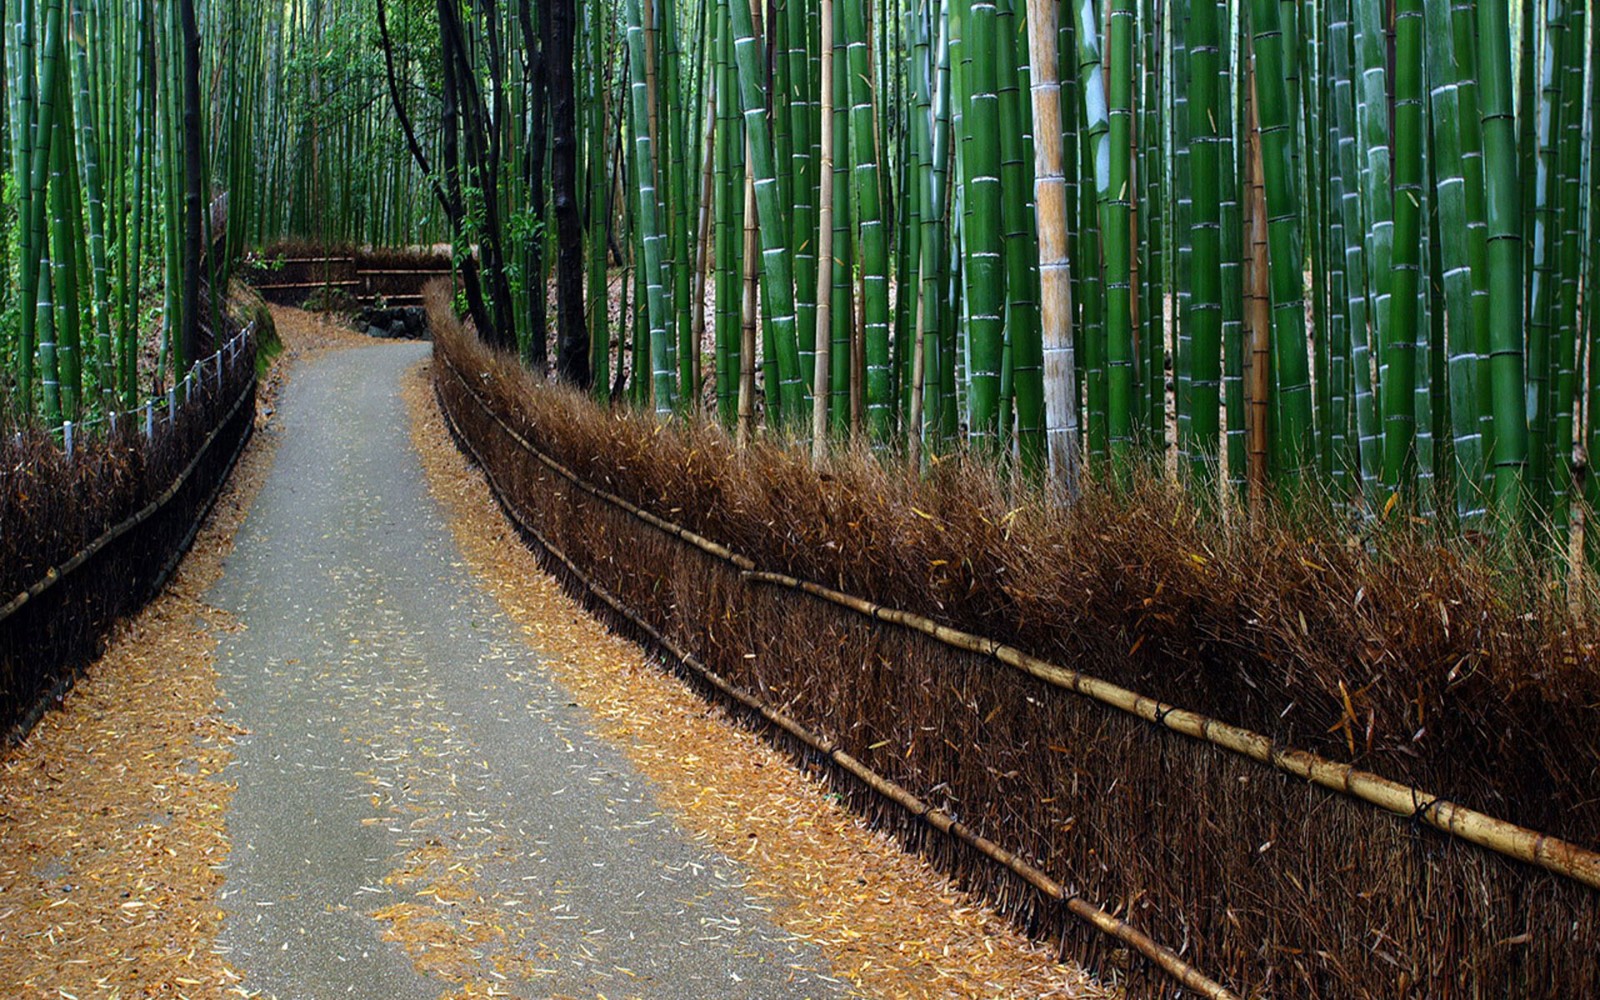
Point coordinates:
[(409, 760)]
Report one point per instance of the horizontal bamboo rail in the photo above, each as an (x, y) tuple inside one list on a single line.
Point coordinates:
[(1553, 854), (1164, 958), (56, 574)]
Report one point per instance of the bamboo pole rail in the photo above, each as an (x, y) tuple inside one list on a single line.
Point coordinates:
[(1555, 855), (1162, 957)]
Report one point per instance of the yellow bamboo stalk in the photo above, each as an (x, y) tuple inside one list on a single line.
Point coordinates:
[(1055, 268)]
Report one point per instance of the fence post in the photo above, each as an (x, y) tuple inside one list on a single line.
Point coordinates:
[(172, 405), (149, 420), (66, 437), (113, 417)]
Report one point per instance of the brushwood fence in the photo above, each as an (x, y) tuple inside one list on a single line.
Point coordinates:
[(294, 275), (95, 516), (1238, 867)]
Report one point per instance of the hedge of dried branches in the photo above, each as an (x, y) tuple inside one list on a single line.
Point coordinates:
[(380, 271), (53, 507), (1419, 659)]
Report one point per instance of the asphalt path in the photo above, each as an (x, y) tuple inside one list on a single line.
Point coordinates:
[(419, 804)]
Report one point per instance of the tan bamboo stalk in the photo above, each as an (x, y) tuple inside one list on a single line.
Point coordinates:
[(652, 91), (858, 359), (1258, 299), (1055, 269), (747, 330), (821, 392), (1553, 854), (1162, 957), (702, 268), (918, 358)]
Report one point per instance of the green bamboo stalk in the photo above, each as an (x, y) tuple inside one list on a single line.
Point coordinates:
[(777, 282), (1116, 210), (873, 228), (1204, 315), (1570, 266), (93, 188), (1293, 445), (1544, 249), (1446, 68), (1095, 155), (65, 231), (34, 267), (1231, 269), (1372, 123), (1400, 428), (801, 97), (1021, 256), (983, 238), (663, 378), (1504, 216), (729, 196), (841, 309)]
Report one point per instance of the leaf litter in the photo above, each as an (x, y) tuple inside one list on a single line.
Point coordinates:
[(112, 835)]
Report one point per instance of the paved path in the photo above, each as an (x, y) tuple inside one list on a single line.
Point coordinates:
[(401, 729)]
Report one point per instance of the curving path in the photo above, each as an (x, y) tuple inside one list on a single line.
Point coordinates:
[(408, 757)]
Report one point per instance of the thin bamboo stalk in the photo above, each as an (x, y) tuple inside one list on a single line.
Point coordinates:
[(822, 335)]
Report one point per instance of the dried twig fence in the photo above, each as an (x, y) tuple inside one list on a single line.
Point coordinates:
[(1284, 883), (97, 515), (295, 275)]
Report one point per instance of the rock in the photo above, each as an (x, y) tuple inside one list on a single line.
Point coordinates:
[(401, 323)]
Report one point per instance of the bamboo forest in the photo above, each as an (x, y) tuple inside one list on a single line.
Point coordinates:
[(1131, 457), (1268, 246)]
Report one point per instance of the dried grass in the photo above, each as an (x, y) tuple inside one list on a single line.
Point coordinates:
[(53, 507), (1408, 655)]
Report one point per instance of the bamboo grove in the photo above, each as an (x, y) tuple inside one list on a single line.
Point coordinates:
[(1334, 247), (125, 138)]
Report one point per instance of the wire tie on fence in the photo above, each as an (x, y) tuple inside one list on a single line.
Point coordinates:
[(1419, 813), (1162, 711)]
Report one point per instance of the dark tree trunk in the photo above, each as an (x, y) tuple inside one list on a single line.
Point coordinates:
[(193, 201), (450, 122), (572, 352), (465, 109), (537, 354)]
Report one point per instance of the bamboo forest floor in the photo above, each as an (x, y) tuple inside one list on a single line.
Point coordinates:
[(364, 747)]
